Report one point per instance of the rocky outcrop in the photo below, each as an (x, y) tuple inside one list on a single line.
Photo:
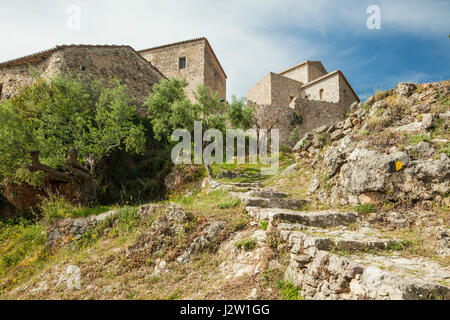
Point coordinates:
[(372, 158), (329, 260), (67, 231)]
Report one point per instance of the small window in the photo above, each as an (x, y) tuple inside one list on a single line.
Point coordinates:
[(321, 91), (1, 89), (83, 68), (182, 63), (291, 98)]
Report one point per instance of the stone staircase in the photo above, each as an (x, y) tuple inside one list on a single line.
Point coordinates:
[(331, 257)]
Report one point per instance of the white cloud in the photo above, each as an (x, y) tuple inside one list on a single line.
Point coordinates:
[(250, 37)]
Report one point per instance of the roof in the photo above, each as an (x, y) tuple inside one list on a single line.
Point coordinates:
[(42, 55), (299, 65), (184, 42), (337, 72)]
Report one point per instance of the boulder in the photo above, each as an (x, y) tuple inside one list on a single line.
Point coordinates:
[(405, 89)]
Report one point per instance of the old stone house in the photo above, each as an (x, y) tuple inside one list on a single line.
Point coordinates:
[(92, 62), (306, 90), (194, 60)]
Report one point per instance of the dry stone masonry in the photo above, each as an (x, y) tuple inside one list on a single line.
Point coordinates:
[(306, 92)]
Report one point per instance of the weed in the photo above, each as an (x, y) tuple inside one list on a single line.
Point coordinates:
[(417, 138), (289, 291), (365, 208), (248, 244), (263, 225)]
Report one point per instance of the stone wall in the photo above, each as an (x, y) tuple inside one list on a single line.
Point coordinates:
[(347, 96), (317, 113), (261, 92), (284, 90), (276, 118), (315, 70), (202, 66), (299, 73), (274, 90), (313, 113), (329, 85), (91, 62), (166, 59), (214, 77)]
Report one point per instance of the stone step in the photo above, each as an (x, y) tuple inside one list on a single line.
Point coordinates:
[(300, 239), (267, 194), (246, 185), (317, 218), (325, 275), (276, 203)]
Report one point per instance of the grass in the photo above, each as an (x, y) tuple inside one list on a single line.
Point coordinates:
[(247, 244), (365, 208), (417, 138), (233, 203), (289, 291), (377, 123), (263, 225), (250, 172), (22, 248), (57, 207)]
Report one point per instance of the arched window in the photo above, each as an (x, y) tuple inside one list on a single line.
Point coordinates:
[(321, 94)]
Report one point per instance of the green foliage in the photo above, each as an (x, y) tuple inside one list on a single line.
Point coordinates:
[(63, 114), (445, 148), (55, 207), (170, 109), (294, 136), (22, 245), (263, 225), (365, 208), (297, 119), (363, 132), (395, 246), (247, 243), (233, 203), (417, 138), (241, 115), (124, 222), (289, 291)]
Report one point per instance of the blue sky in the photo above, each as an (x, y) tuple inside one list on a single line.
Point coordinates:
[(254, 37)]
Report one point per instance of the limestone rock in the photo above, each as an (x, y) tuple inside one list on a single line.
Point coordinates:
[(405, 89)]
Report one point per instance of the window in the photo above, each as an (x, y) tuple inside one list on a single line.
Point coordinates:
[(1, 88), (291, 98), (182, 63), (321, 94)]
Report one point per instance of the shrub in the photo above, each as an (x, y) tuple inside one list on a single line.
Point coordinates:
[(263, 225), (378, 123), (380, 95), (365, 208), (229, 204), (445, 149), (417, 138), (247, 243), (289, 291), (55, 207)]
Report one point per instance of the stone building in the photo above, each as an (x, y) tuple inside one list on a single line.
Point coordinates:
[(308, 90), (90, 61), (194, 60)]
